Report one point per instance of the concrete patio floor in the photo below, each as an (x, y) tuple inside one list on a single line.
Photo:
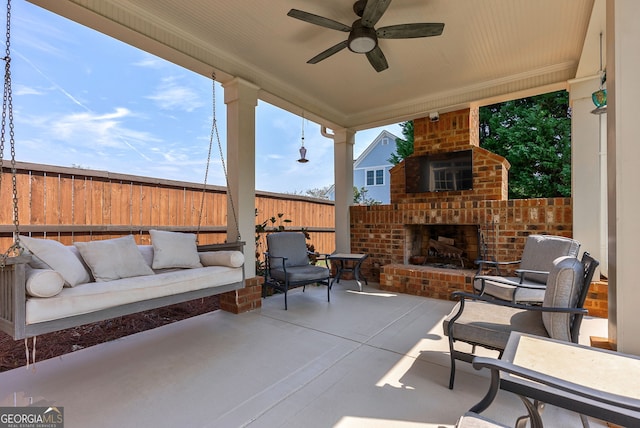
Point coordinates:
[(366, 359)]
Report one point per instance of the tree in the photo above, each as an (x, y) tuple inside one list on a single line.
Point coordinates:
[(320, 192), (404, 147), (534, 135), (360, 197)]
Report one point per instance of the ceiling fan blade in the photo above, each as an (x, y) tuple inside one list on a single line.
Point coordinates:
[(326, 54), (373, 11), (410, 31), (318, 20), (377, 59)]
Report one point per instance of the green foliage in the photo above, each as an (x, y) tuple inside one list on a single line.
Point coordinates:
[(534, 135), (404, 147)]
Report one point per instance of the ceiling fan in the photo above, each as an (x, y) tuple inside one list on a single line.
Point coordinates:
[(363, 37)]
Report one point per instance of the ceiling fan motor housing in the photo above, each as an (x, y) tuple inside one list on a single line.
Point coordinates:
[(362, 39)]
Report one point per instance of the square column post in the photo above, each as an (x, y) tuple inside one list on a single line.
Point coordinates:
[(588, 170), (623, 152), (241, 98), (343, 140)]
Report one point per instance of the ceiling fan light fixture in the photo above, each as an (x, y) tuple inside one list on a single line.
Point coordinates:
[(362, 39)]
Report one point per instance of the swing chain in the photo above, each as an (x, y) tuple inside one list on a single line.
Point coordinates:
[(216, 135), (7, 109)]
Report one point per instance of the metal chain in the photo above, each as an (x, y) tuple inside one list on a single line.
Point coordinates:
[(7, 109), (216, 135), (224, 166)]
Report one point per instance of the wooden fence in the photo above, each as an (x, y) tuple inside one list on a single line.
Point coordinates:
[(73, 204)]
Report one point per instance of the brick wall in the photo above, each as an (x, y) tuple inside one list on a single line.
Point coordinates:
[(379, 230)]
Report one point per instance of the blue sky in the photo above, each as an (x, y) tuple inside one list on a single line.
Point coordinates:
[(84, 99)]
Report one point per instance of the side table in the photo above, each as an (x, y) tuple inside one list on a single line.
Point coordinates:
[(349, 263)]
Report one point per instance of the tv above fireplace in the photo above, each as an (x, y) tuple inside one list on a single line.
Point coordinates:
[(439, 172)]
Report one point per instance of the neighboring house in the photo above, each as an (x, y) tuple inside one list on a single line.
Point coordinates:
[(371, 169)]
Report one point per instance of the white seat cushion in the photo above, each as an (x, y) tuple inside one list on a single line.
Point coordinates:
[(94, 296)]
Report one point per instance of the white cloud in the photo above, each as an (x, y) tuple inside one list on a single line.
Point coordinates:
[(150, 61), (26, 90), (172, 96)]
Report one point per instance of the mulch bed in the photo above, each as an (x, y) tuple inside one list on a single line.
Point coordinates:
[(12, 352)]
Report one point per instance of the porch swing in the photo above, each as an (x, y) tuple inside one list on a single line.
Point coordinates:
[(41, 293)]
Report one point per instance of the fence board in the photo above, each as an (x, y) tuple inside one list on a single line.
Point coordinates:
[(73, 204)]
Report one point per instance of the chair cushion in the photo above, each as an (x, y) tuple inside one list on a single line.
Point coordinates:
[(505, 287), (541, 250), (302, 273), (292, 245), (490, 324), (563, 289)]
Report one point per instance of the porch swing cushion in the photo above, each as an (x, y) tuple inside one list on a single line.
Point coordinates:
[(59, 258), (113, 258), (174, 250), (43, 282)]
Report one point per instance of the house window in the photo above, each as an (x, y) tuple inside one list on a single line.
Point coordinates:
[(385, 141), (375, 177)]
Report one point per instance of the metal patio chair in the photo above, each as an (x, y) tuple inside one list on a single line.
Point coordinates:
[(287, 264), (487, 322), (531, 276)]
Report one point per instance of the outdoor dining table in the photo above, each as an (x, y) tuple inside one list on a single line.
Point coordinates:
[(601, 369)]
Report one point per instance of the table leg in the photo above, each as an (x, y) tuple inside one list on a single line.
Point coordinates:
[(356, 274)]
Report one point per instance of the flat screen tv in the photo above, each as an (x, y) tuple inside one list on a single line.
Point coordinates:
[(439, 172)]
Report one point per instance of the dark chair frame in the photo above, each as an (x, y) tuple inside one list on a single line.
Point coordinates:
[(279, 262), (590, 265), (497, 366), (520, 280)]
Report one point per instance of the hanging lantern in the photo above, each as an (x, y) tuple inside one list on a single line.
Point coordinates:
[(303, 153), (303, 150)]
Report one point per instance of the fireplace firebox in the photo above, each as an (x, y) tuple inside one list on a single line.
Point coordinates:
[(442, 245)]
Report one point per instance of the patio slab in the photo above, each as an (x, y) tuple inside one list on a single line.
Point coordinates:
[(364, 360)]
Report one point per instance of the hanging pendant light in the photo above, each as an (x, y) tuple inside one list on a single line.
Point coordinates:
[(599, 97), (303, 150)]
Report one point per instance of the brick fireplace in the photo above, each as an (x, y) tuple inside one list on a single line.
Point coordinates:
[(475, 219)]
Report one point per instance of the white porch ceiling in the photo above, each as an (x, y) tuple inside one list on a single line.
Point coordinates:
[(489, 48)]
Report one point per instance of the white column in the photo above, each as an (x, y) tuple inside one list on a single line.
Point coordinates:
[(343, 140), (588, 170), (623, 154), (241, 98)]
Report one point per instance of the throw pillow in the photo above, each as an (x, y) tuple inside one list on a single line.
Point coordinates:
[(174, 250), (222, 258), (43, 282), (59, 258), (113, 259)]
